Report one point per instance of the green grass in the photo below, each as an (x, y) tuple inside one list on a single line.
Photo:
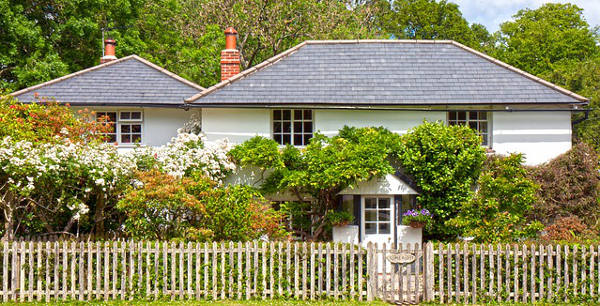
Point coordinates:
[(226, 302)]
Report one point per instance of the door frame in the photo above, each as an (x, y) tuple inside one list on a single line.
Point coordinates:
[(393, 229)]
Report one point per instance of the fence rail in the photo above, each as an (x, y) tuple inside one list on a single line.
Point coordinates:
[(121, 270)]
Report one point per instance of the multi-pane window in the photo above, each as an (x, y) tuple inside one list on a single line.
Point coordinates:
[(126, 128), (293, 127), (131, 127), (377, 215), (478, 121)]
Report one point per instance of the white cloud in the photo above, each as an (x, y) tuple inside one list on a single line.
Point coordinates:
[(492, 13)]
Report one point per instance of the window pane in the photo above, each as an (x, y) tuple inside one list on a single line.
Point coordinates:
[(276, 127), (473, 125), (370, 215), (112, 116), (384, 203), (287, 127), (482, 115), (286, 114), (384, 228), (136, 138), (484, 139), (307, 127), (384, 215), (125, 128), (125, 138), (136, 128), (298, 139), (276, 115), (277, 138), (452, 116), (125, 115), (136, 115), (112, 138), (307, 138), (472, 115), (297, 115), (297, 127), (462, 115), (287, 139), (483, 127), (370, 228), (370, 203), (308, 114)]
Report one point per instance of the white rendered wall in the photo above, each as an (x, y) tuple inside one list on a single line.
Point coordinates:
[(540, 136), (329, 122), (236, 124)]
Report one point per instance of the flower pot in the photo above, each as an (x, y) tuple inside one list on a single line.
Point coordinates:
[(417, 224)]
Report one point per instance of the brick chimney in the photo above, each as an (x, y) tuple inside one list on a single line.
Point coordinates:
[(109, 51), (230, 57)]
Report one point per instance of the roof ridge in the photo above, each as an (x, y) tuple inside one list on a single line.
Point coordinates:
[(521, 72), (93, 68)]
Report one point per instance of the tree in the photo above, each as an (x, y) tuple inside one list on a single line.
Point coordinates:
[(445, 162), (498, 211), (432, 19), (538, 39), (320, 171)]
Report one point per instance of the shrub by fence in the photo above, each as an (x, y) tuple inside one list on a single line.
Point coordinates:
[(123, 270)]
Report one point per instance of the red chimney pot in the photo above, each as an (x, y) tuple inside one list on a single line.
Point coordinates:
[(230, 57), (109, 51)]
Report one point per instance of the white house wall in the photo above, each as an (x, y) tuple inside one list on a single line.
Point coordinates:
[(541, 136), (329, 122), (235, 124)]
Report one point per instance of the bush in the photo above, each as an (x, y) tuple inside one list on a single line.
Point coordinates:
[(569, 230), (498, 212), (163, 207), (569, 187), (445, 162)]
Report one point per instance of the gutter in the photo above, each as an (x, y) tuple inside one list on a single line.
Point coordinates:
[(580, 120)]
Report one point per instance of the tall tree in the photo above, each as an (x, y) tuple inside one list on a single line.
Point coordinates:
[(431, 19), (537, 39)]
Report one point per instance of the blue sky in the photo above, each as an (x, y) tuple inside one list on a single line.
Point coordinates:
[(492, 13)]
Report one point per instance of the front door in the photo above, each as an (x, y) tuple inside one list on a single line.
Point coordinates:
[(377, 220)]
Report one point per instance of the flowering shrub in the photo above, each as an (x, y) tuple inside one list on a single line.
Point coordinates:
[(421, 217), (187, 153)]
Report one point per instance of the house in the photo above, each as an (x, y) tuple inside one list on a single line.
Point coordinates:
[(144, 101), (324, 85)]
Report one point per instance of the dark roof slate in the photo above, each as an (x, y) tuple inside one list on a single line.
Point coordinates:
[(391, 72), (130, 81)]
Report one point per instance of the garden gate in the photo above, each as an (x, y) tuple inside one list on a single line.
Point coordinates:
[(401, 273)]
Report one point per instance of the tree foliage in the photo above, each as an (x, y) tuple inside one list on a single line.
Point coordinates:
[(498, 211), (445, 162)]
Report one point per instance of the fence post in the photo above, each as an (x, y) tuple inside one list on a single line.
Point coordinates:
[(428, 271), (370, 272)]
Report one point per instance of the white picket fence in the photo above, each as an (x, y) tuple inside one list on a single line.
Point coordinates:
[(122, 270)]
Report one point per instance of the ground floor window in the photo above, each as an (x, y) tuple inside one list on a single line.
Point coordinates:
[(126, 126), (478, 121), (378, 215)]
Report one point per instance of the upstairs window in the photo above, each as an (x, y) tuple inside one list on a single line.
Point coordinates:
[(126, 126), (478, 121), (293, 127)]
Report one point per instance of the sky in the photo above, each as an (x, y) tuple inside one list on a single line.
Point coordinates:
[(491, 13)]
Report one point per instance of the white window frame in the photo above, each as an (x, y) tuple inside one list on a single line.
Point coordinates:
[(467, 120), (293, 132), (391, 222), (119, 122)]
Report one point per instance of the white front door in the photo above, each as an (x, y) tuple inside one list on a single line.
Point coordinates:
[(377, 220)]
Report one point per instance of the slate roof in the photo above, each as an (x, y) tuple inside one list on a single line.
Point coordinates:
[(129, 81), (383, 72)]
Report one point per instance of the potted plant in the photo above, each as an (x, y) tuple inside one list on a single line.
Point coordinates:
[(417, 218), (340, 218)]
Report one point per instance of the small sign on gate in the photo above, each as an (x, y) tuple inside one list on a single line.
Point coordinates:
[(401, 258)]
